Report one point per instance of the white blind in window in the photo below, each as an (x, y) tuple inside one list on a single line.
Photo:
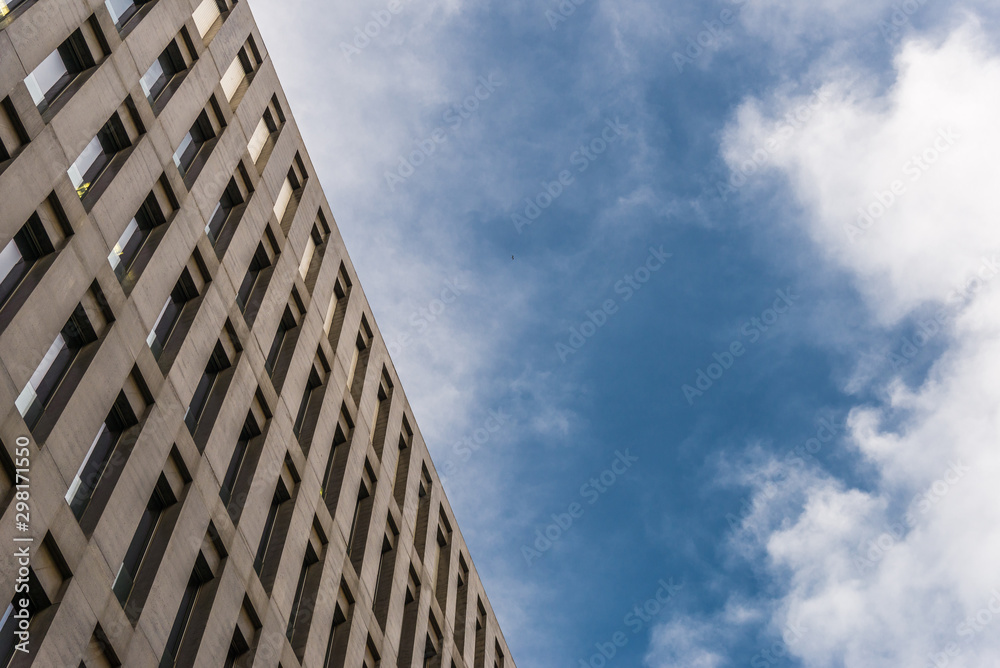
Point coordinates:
[(232, 79), (307, 257), (281, 203), (206, 15), (328, 322), (256, 144)]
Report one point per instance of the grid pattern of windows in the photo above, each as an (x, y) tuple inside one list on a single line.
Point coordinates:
[(226, 448)]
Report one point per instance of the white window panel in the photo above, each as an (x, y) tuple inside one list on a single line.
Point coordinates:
[(78, 480), (9, 257), (353, 369), (232, 79), (328, 323), (284, 196), (307, 257), (84, 162), (114, 258), (45, 76), (117, 8), (258, 140), (206, 15), (27, 396)]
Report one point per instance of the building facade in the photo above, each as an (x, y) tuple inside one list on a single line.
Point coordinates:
[(207, 457)]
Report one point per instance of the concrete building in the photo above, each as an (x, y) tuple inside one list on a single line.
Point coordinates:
[(222, 467)]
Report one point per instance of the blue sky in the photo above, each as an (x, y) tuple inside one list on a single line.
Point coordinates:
[(740, 359)]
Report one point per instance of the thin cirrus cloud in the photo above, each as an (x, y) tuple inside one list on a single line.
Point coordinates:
[(896, 567), (391, 93)]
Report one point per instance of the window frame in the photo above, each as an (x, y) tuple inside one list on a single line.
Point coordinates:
[(171, 64), (231, 200), (112, 139), (217, 363), (162, 329), (91, 472), (75, 335), (32, 244), (74, 57), (200, 134), (313, 383), (138, 548), (258, 264), (7, 7), (123, 21)]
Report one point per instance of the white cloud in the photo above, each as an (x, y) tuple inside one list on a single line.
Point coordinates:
[(892, 574), (860, 143), (681, 644)]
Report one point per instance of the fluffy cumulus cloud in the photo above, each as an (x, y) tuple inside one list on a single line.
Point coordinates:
[(897, 186)]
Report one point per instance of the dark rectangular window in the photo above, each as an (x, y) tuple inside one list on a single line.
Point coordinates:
[(461, 604), (125, 579), (383, 579), (272, 538), (183, 292), (311, 384), (407, 636), (122, 11), (336, 640), (248, 433), (136, 232), (54, 74), (42, 385), (163, 69), (265, 536), (259, 262), (230, 200), (81, 490), (430, 653), (307, 561), (218, 363), (181, 620), (37, 602), (20, 254), (238, 647), (364, 491), (480, 656), (287, 322), (13, 135), (97, 155), (192, 142), (338, 440)]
